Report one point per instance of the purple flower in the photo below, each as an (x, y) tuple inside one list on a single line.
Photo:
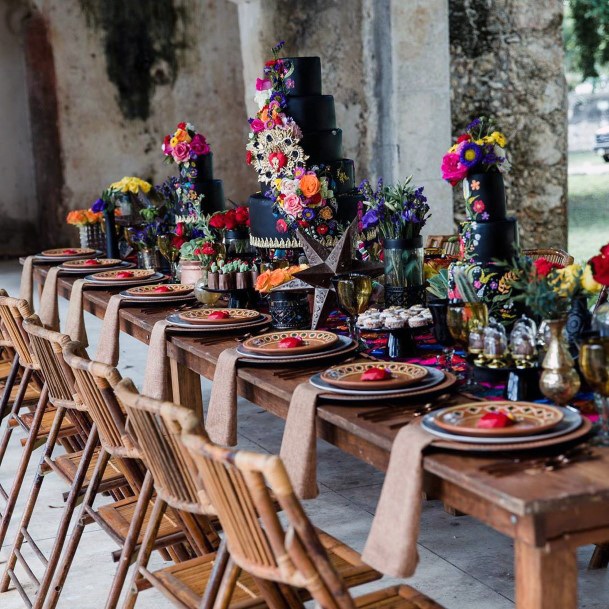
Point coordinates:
[(493, 285), (471, 154), (473, 124), (370, 219), (99, 206), (308, 214), (485, 215)]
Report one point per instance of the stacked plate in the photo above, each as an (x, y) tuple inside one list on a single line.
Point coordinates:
[(504, 424), (159, 293), (66, 253), (84, 266), (349, 381), (218, 320), (124, 277), (295, 346)]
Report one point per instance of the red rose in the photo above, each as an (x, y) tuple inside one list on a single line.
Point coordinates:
[(197, 251), (271, 62), (600, 266), (466, 137), (303, 224), (315, 199), (180, 229), (277, 120), (544, 267), (217, 221), (248, 157), (166, 145), (208, 249), (230, 220), (181, 125), (281, 226), (242, 215), (178, 241), (322, 229)]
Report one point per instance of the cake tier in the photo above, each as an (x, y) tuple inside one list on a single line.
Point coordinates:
[(341, 174), (491, 283), (348, 206), (488, 241), (213, 193), (323, 146), (201, 168), (312, 112), (304, 76), (485, 196)]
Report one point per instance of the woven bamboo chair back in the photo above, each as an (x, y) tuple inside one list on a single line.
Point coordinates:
[(47, 346), (241, 486), (12, 313), (551, 254), (443, 244), (95, 384), (157, 427)]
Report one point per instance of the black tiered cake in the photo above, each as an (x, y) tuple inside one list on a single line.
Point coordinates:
[(198, 175), (488, 238), (295, 133)]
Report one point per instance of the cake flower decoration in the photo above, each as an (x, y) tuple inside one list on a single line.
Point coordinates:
[(184, 145)]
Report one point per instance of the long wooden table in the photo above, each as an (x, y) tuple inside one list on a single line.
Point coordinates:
[(547, 515)]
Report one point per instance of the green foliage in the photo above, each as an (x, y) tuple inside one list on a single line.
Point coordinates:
[(464, 286), (438, 284), (586, 35)]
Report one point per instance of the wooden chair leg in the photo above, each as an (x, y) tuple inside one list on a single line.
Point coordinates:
[(25, 459), (8, 387), (135, 528), (600, 557), (17, 403), (54, 590), (227, 585), (215, 577), (152, 530), (32, 498)]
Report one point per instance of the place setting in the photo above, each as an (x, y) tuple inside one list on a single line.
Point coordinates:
[(84, 266), (62, 254)]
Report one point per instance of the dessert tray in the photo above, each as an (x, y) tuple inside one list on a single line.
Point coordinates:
[(394, 318), (292, 342), (350, 376), (208, 316)]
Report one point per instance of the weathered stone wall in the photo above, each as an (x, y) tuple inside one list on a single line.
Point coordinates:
[(507, 62)]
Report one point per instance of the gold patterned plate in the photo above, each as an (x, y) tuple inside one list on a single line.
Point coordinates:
[(349, 376), (206, 316), (312, 341), (91, 263), (529, 418), (160, 290), (123, 275), (64, 252)]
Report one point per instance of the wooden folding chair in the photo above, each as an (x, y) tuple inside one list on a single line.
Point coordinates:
[(281, 558), (74, 467), (157, 427), (121, 520), (36, 424), (552, 254)]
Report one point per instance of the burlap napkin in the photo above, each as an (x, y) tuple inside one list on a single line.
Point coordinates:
[(75, 322), (299, 444), (26, 290), (109, 340), (157, 377), (391, 546), (49, 308), (221, 423)]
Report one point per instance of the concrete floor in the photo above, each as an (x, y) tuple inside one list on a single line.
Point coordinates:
[(463, 563)]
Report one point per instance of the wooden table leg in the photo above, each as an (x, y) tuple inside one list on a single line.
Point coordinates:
[(545, 579), (186, 387)]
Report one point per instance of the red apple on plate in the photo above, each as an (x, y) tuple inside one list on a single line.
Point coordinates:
[(376, 374), (495, 420), (290, 342), (219, 315)]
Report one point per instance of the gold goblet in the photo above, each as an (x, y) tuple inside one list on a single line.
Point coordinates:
[(594, 364), (353, 291), (170, 252)]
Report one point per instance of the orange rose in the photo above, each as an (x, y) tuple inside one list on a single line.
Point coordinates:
[(263, 282), (278, 276), (309, 184), (264, 115), (182, 136)]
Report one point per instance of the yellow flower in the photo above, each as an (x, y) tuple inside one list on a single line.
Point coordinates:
[(131, 184), (567, 279), (173, 142), (499, 138), (453, 149), (588, 282)]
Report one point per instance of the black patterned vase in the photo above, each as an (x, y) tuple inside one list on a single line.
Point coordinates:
[(289, 310)]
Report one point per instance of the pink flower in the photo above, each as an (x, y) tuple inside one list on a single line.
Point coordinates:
[(452, 170), (292, 205), (299, 172), (477, 284), (181, 152), (199, 145), (257, 125), (479, 206), (262, 84), (281, 226)]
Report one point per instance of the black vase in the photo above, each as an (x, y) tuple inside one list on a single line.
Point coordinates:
[(111, 236), (289, 310), (441, 333), (579, 319), (489, 188)]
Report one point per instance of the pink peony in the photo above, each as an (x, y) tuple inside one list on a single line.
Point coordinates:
[(257, 125), (199, 145), (452, 170), (292, 205), (263, 84), (181, 152)]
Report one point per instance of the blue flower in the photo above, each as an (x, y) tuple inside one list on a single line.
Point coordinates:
[(370, 219), (471, 154), (308, 214), (99, 206)]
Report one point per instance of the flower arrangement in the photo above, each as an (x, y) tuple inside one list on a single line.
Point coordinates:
[(83, 217), (231, 219), (302, 195), (599, 266), (202, 250), (399, 211), (124, 187), (184, 145), (271, 279), (480, 148)]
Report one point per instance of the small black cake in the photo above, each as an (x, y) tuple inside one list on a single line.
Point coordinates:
[(198, 175)]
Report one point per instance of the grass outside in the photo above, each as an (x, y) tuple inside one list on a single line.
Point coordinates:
[(588, 206)]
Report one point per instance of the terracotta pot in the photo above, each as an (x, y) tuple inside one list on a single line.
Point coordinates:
[(190, 271)]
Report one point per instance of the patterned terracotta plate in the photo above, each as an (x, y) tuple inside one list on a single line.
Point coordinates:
[(68, 252), (304, 341), (219, 316), (349, 376), (91, 263), (529, 418), (123, 275), (160, 290)]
